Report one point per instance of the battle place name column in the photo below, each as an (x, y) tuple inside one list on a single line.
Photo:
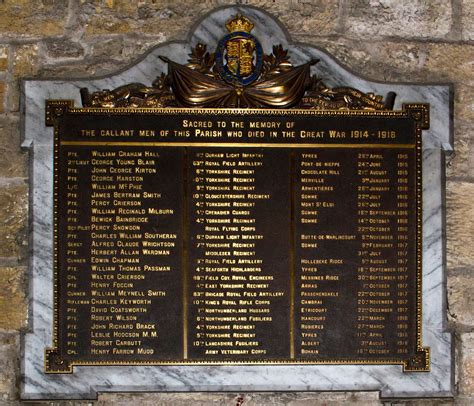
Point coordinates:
[(324, 242), (239, 239)]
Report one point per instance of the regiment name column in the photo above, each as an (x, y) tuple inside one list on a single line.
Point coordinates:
[(239, 266)]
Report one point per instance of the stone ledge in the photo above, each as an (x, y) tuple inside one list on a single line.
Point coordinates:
[(242, 399)]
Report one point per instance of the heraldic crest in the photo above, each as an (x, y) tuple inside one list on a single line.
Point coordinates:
[(237, 75)]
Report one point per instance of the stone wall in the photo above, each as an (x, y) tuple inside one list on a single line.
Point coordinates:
[(388, 40)]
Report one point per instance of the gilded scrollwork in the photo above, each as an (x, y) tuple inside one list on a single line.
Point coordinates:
[(132, 95)]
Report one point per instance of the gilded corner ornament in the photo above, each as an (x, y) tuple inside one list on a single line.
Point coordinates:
[(238, 75)]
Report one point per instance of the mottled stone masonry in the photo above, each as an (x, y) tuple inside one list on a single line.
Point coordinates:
[(389, 40), (3, 59), (13, 218), (464, 103), (13, 163), (9, 354), (468, 20), (461, 163), (25, 19), (2, 96), (407, 19), (466, 365), (460, 221), (12, 298)]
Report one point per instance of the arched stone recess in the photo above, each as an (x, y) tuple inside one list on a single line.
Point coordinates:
[(86, 382)]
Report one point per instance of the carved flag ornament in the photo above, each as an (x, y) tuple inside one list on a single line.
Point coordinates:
[(237, 75)]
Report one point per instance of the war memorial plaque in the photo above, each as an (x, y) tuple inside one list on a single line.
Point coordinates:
[(239, 213), (238, 236)]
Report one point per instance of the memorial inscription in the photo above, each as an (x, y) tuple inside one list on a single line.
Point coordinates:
[(237, 236)]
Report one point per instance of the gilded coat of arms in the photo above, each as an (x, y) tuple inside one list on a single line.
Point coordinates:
[(239, 55)]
